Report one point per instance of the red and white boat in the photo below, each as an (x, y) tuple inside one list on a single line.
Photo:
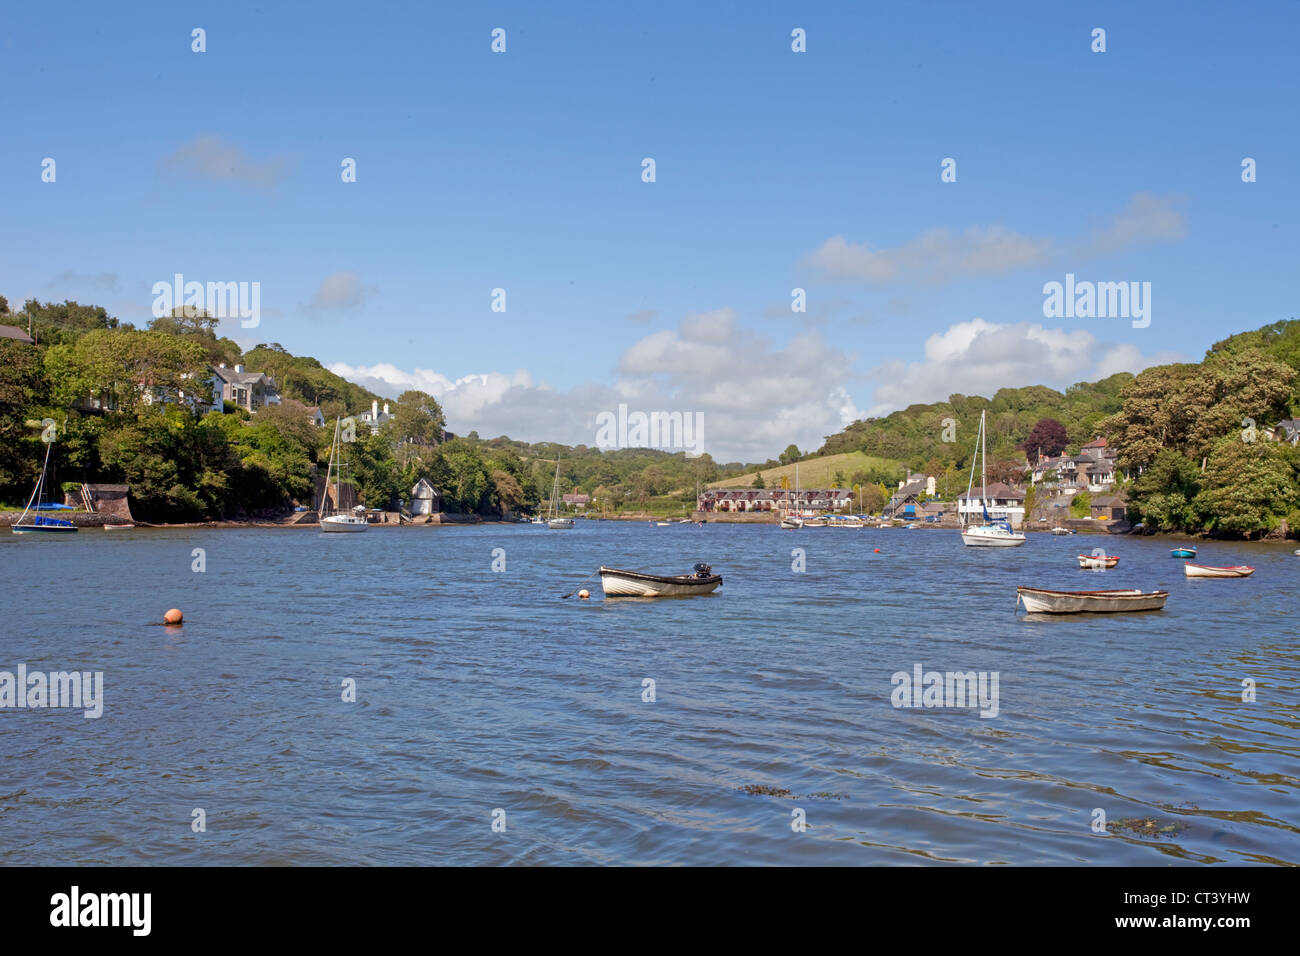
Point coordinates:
[(1206, 571), (1096, 562)]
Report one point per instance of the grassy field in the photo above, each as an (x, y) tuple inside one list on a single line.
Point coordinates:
[(818, 472)]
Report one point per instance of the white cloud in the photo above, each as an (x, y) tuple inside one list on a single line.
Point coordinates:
[(979, 357), (755, 397), (942, 255), (210, 157), (936, 256), (1147, 218), (342, 290)]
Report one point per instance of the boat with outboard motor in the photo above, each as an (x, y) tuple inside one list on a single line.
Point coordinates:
[(619, 583)]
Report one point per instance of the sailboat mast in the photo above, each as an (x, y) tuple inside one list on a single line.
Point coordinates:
[(984, 461)]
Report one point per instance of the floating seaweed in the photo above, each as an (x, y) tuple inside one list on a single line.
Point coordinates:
[(762, 790), (1150, 826)]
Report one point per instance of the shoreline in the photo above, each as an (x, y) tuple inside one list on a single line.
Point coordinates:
[(438, 520)]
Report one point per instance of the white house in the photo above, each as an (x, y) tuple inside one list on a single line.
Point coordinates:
[(1002, 501), (425, 499), (374, 418)]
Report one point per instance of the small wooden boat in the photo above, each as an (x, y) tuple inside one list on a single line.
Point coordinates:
[(618, 583), (1042, 601), (1183, 553), (1206, 571), (850, 521), (118, 527), (663, 524), (817, 522), (1095, 562)]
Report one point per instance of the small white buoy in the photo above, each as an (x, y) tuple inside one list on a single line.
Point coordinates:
[(584, 594)]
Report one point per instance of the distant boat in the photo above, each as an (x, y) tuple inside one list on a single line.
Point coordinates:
[(555, 520), (792, 522), (338, 522), (1205, 571), (913, 526), (994, 532), (117, 527), (1042, 601), (816, 521), (40, 524), (1183, 553), (1095, 562), (848, 521), (618, 583), (1058, 530), (663, 524)]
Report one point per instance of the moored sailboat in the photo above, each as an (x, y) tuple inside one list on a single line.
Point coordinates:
[(330, 520), (39, 523), (555, 520), (994, 532)]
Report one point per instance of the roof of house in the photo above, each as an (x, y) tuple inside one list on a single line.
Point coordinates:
[(241, 378), (1095, 443), (994, 489), (13, 332), (423, 485), (1107, 501)]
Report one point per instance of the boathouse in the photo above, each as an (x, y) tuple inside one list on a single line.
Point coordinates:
[(425, 499)]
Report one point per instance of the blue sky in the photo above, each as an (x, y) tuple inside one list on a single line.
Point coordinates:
[(775, 170)]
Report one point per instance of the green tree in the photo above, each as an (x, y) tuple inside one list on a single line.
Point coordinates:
[(1162, 495), (1249, 487), (1080, 505)]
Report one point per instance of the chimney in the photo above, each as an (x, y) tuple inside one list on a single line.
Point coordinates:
[(221, 365), (239, 369), (385, 408), (374, 411)]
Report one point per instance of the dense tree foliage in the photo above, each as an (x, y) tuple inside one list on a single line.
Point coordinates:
[(1198, 435)]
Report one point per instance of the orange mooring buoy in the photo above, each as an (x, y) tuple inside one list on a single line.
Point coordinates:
[(174, 616), (876, 551)]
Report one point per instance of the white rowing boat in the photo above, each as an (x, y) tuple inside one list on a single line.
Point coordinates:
[(1206, 571), (1043, 601), (618, 583), (1096, 562)]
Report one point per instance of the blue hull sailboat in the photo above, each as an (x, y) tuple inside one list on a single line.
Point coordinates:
[(40, 523)]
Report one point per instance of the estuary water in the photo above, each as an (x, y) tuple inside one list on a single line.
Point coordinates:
[(480, 696)]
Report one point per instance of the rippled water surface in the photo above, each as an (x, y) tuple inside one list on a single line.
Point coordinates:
[(480, 690)]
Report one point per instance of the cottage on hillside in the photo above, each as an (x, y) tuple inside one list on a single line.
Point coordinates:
[(248, 390), (998, 499)]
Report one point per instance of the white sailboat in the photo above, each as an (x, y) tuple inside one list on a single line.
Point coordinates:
[(330, 520), (995, 532), (555, 519)]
